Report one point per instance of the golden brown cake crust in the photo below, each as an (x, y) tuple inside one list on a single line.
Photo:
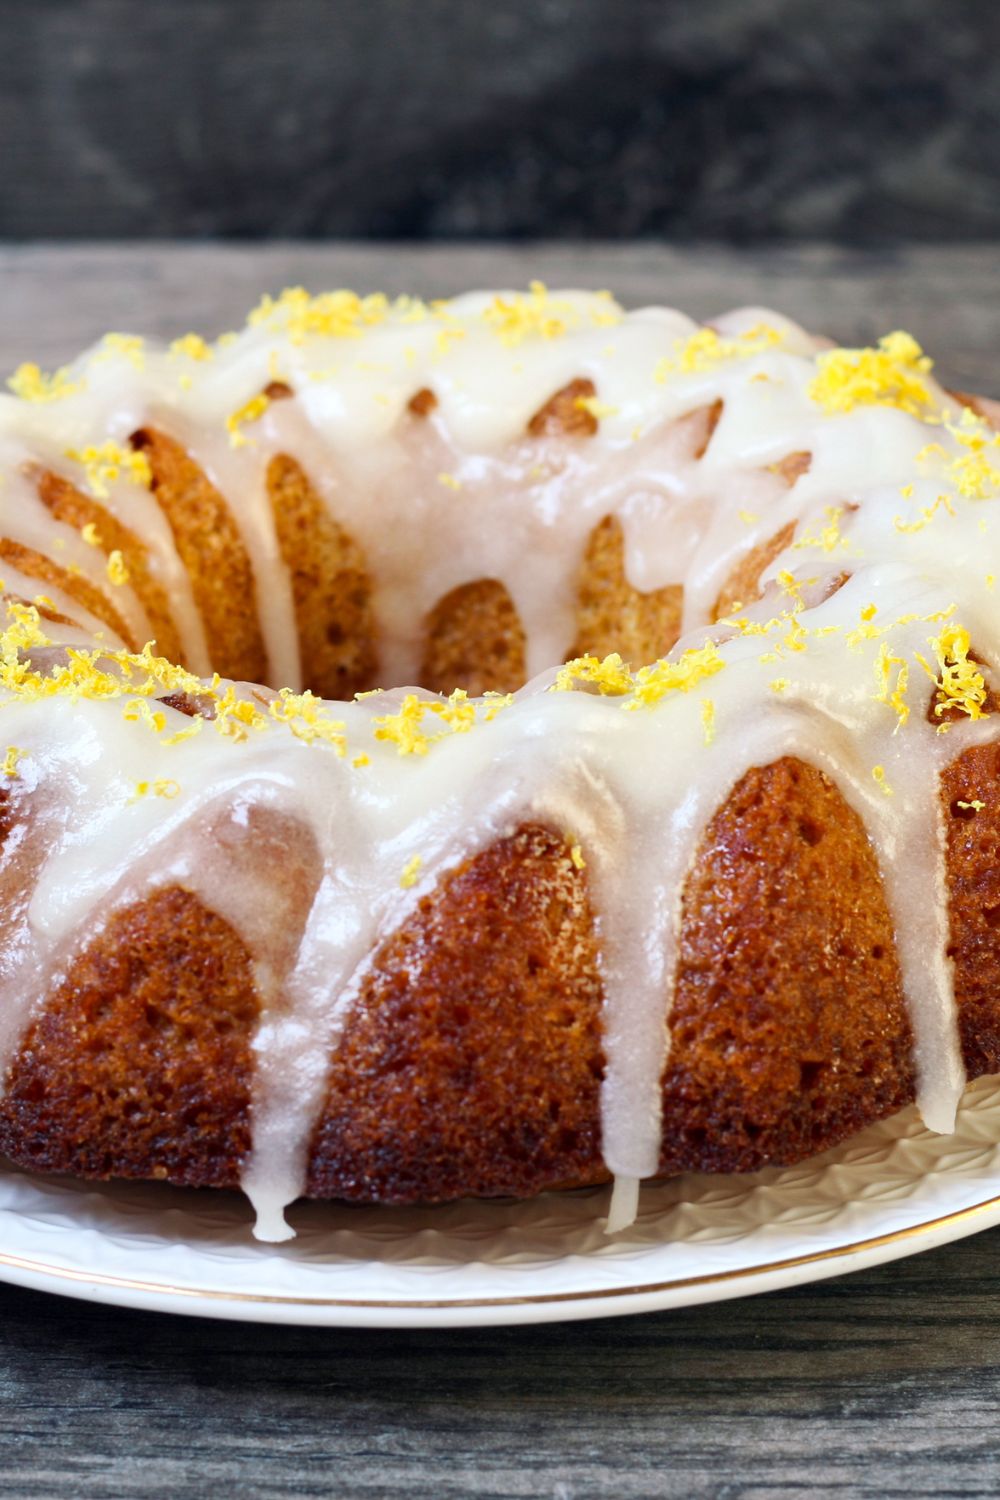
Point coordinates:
[(140, 1064), (471, 1061), (331, 589), (973, 844), (566, 413), (67, 504), (473, 1055), (743, 584), (614, 616), (474, 640), (789, 1030), (211, 548), (37, 565)]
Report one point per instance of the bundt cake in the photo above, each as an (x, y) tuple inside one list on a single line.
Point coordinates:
[(684, 853)]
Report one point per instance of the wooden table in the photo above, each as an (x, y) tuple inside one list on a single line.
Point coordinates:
[(886, 1383)]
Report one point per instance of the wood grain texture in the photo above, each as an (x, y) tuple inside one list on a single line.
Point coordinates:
[(885, 1383)]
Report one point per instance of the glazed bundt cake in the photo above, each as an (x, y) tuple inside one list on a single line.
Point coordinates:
[(683, 855)]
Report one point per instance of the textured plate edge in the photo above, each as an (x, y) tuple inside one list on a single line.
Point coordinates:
[(554, 1307)]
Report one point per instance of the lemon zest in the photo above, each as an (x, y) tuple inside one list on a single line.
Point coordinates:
[(974, 473), (192, 346), (341, 314), (878, 776), (32, 384), (105, 463), (707, 347), (163, 786), (595, 408), (927, 514), (130, 346), (118, 573), (890, 375), (829, 537), (456, 714), (892, 691), (533, 314), (646, 687), (306, 716), (958, 680), (10, 760), (250, 411)]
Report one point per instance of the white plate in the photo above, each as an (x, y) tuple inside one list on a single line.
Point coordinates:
[(892, 1191)]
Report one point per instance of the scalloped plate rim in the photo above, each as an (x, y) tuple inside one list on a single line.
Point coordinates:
[(892, 1191), (227, 1305)]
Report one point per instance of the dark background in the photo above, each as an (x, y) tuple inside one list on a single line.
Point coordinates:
[(730, 119)]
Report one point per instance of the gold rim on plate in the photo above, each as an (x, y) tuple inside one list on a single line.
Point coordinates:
[(444, 1304)]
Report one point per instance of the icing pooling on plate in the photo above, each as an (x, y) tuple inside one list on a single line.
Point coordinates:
[(897, 495)]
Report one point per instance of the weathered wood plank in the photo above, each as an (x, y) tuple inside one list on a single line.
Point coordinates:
[(884, 1384)]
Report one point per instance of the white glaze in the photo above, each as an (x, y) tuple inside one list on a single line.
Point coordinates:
[(633, 788)]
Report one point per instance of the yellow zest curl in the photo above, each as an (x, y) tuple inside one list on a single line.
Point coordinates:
[(531, 315), (960, 683), (889, 690), (192, 346), (250, 411), (878, 776), (32, 384), (457, 714), (707, 348), (891, 375), (649, 685), (341, 314), (107, 462), (10, 760), (117, 572)]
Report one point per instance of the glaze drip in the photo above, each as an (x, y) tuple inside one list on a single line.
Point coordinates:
[(704, 444)]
